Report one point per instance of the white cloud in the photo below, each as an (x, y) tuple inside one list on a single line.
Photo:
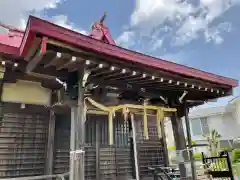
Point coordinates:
[(15, 13), (187, 20), (189, 30), (62, 20), (209, 10), (157, 44), (214, 34), (179, 57), (155, 12), (126, 39), (215, 8)]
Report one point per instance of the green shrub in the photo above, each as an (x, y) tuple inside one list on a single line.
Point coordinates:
[(197, 156), (172, 148), (227, 148), (236, 155), (193, 142)]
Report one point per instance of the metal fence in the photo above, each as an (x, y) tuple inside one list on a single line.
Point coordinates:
[(219, 166)]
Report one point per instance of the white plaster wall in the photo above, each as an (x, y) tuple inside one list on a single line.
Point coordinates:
[(237, 111), (203, 149), (225, 124), (169, 132)]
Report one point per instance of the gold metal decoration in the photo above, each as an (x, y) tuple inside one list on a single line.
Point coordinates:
[(126, 109)]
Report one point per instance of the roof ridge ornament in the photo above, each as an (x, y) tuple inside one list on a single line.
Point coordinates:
[(104, 17), (101, 32)]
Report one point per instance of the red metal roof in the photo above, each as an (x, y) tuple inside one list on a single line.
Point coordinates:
[(11, 39), (39, 26), (7, 49)]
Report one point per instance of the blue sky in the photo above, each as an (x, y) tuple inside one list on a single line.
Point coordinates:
[(204, 34)]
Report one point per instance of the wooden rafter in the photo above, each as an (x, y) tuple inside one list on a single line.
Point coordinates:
[(38, 57), (104, 71), (59, 59)]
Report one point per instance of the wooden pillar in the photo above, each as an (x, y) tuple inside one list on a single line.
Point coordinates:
[(180, 141), (72, 144), (110, 128), (98, 135), (50, 144), (134, 134), (3, 163), (2, 75), (80, 131), (77, 140), (164, 142), (189, 139)]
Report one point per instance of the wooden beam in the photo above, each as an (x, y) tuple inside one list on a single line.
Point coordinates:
[(199, 84), (33, 49), (125, 87), (77, 137), (43, 76), (80, 131), (51, 72), (2, 72), (180, 141), (136, 159), (98, 135), (59, 58), (38, 57), (50, 144), (64, 45), (164, 74), (2, 75), (112, 70), (72, 61), (12, 76), (164, 139), (72, 143)]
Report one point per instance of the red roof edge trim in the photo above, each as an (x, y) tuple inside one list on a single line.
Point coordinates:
[(51, 30), (27, 39), (11, 50)]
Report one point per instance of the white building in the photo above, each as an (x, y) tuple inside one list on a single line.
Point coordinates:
[(224, 119)]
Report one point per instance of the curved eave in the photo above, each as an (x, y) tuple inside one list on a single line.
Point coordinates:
[(38, 27), (48, 29), (53, 59)]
